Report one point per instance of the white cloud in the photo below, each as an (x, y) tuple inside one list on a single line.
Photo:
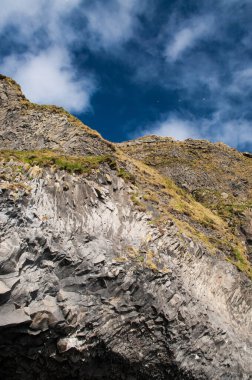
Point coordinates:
[(235, 133), (29, 16), (12, 11), (241, 83), (186, 37), (46, 28), (174, 127), (47, 78), (44, 70), (108, 25), (101, 24)]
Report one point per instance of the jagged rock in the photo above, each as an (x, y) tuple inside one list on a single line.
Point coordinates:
[(10, 316), (29, 127), (247, 154), (93, 287), (216, 175)]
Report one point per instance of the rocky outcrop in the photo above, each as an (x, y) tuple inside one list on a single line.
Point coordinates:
[(27, 126), (196, 164), (92, 287), (80, 299), (216, 175)]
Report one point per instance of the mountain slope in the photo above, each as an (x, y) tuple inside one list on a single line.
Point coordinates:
[(108, 269), (28, 126), (217, 176)]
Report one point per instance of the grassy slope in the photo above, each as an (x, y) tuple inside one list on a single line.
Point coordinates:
[(46, 158), (155, 191), (215, 187), (152, 192), (192, 218)]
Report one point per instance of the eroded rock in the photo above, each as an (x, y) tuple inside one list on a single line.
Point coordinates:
[(90, 286)]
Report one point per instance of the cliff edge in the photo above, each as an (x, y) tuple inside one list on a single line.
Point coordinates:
[(113, 266)]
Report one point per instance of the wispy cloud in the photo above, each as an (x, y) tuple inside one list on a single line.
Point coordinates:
[(172, 126), (48, 78), (206, 62), (234, 133), (43, 65), (28, 17), (112, 23), (187, 36), (46, 33), (199, 55), (241, 82)]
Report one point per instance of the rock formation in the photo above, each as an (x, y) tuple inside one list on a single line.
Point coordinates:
[(214, 174), (113, 266)]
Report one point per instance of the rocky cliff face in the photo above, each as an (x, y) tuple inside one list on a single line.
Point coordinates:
[(108, 269), (25, 125), (214, 174)]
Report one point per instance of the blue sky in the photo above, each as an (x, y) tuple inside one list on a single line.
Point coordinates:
[(129, 68)]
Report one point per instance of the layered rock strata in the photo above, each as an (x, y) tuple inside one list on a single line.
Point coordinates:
[(91, 286)]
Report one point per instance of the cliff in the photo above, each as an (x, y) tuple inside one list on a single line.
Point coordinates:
[(217, 176), (116, 265)]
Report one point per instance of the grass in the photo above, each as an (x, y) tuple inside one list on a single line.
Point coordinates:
[(150, 196), (191, 217), (52, 109), (241, 262), (145, 259), (231, 210), (136, 201), (11, 83), (128, 177), (46, 158), (171, 202)]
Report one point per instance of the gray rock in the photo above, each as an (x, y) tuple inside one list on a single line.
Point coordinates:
[(3, 289), (82, 298), (78, 283), (9, 316)]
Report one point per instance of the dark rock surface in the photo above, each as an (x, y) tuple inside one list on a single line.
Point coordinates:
[(92, 288)]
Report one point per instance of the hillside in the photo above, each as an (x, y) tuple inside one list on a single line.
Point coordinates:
[(120, 261), (217, 176)]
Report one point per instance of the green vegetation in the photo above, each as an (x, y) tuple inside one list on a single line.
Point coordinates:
[(145, 259), (150, 196), (192, 218), (204, 188), (52, 109), (241, 261), (229, 211), (46, 158), (61, 112), (128, 177), (136, 201)]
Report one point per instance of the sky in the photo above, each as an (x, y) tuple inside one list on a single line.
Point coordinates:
[(127, 68)]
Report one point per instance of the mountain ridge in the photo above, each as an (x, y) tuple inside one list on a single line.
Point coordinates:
[(68, 135), (109, 264), (216, 175), (72, 131)]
